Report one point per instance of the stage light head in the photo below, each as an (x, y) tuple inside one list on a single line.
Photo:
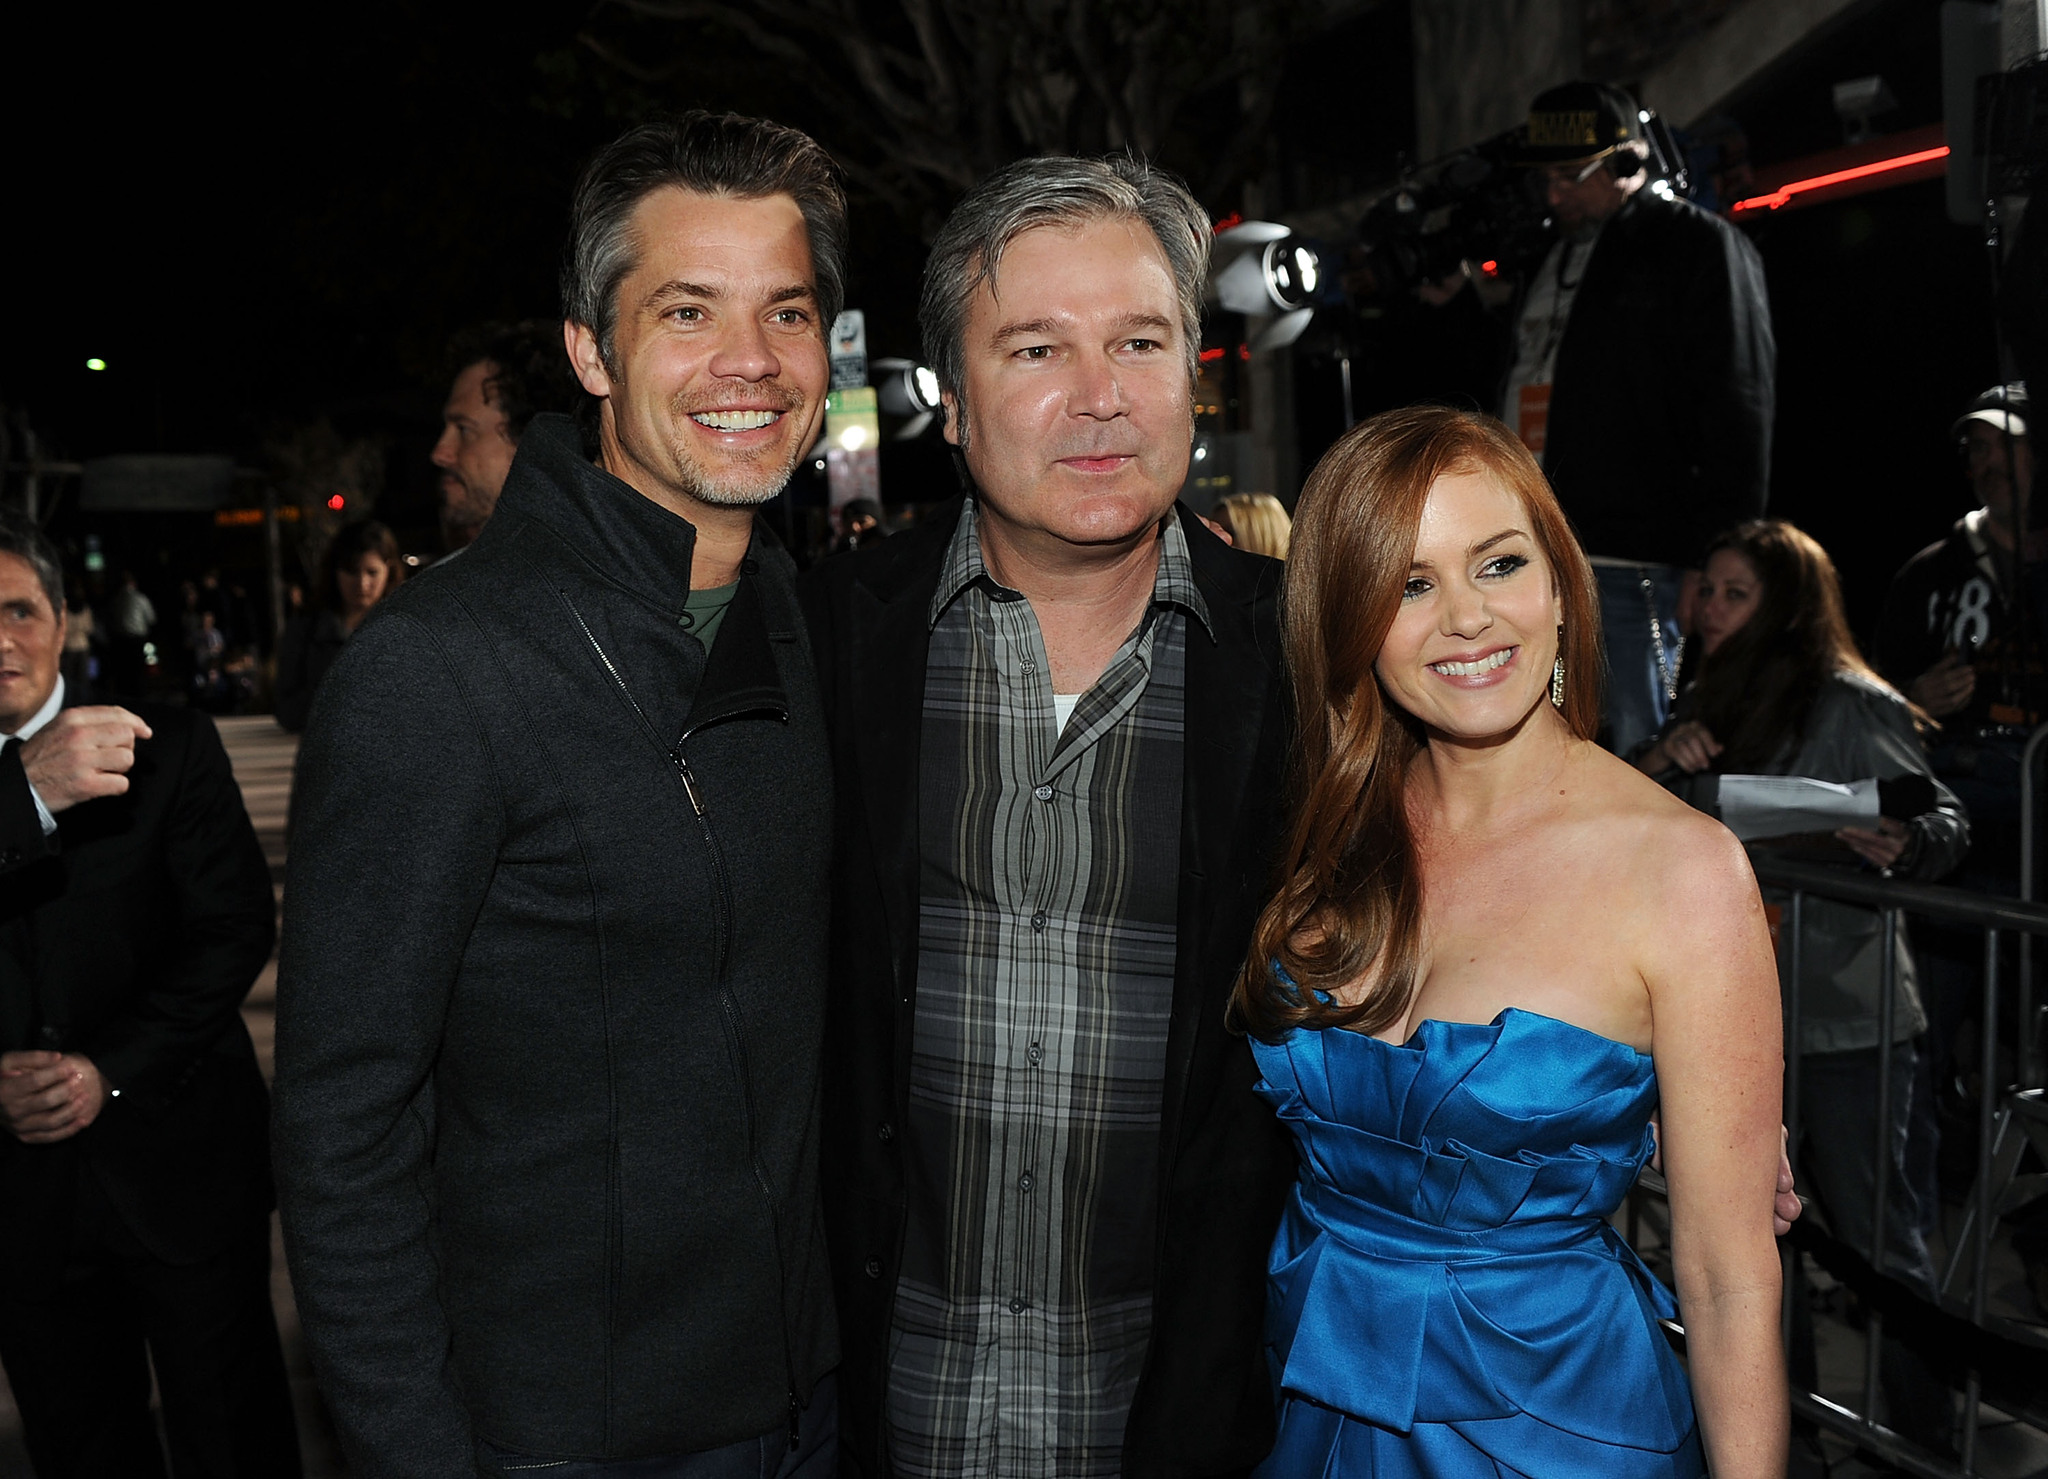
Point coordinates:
[(1262, 270), (906, 388), (1292, 271)]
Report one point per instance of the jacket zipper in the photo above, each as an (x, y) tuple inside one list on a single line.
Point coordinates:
[(736, 1052), (729, 1013)]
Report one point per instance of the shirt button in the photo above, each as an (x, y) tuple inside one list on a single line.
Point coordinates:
[(1018, 1306), (1038, 922), (1036, 1054), (1024, 1182), (1043, 793), (886, 1132), (1029, 667), (873, 1268)]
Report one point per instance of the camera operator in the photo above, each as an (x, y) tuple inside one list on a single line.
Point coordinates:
[(1643, 380)]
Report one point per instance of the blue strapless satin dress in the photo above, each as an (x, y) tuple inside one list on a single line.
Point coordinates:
[(1446, 1297)]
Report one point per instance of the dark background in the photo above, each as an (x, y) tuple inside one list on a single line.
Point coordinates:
[(267, 220)]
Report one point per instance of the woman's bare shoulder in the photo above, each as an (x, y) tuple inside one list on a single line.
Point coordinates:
[(1668, 848)]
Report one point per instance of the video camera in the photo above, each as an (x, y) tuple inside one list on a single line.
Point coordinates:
[(1480, 206)]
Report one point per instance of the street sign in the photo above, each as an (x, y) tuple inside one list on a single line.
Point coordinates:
[(849, 349)]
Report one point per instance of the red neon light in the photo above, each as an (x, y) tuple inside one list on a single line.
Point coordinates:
[(1235, 218), (1784, 193), (1210, 356), (1491, 269)]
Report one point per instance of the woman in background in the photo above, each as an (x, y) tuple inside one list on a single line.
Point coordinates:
[(1782, 690), (361, 567), (1257, 522), (1495, 951)]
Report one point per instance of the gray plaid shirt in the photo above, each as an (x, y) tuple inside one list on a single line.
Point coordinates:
[(1050, 871)]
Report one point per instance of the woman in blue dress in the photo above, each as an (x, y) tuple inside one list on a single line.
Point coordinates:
[(1495, 954)]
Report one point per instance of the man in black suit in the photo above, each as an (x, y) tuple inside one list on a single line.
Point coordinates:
[(134, 1188), (1058, 738)]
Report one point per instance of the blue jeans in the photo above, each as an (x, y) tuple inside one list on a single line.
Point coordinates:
[(1637, 700), (769, 1456)]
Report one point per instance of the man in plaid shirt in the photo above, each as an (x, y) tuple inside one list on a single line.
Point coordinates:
[(1058, 742)]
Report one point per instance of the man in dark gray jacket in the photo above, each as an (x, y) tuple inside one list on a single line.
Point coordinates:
[(553, 966)]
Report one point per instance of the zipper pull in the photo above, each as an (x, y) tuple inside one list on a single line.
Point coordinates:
[(795, 1422), (689, 780)]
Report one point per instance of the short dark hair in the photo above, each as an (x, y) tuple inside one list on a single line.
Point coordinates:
[(20, 537), (530, 370), (712, 154)]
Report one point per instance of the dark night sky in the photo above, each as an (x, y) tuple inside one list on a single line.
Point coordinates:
[(248, 221), (260, 221), (263, 220)]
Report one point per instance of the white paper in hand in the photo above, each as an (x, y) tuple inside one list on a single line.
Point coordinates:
[(1754, 806)]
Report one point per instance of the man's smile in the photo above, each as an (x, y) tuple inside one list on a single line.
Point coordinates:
[(736, 420)]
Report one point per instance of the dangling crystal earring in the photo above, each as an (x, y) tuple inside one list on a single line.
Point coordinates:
[(1557, 673)]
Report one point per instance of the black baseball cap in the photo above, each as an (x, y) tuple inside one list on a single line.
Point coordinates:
[(1578, 120), (2003, 407)]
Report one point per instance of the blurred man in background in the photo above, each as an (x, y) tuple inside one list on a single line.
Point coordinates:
[(509, 373), (1952, 636), (135, 914), (1962, 636)]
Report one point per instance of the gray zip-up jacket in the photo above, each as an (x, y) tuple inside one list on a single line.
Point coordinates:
[(1857, 730), (550, 998)]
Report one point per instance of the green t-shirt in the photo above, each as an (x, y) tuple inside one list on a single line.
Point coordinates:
[(704, 611)]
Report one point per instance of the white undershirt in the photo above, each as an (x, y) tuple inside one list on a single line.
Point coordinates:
[(1063, 707), (26, 733), (1545, 312)]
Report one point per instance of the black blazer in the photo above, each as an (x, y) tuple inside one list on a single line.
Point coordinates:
[(131, 936), (1205, 1401)]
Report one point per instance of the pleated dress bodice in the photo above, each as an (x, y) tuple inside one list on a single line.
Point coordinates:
[(1446, 1294)]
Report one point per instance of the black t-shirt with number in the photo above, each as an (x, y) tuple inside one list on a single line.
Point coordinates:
[(1943, 600)]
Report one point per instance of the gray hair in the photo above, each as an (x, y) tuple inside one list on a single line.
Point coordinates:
[(712, 154), (20, 537), (1056, 190)]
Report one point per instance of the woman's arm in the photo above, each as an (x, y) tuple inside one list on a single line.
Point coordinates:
[(1879, 740), (1688, 746), (1718, 1040)]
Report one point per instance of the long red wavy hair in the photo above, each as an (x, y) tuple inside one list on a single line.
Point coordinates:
[(1349, 900)]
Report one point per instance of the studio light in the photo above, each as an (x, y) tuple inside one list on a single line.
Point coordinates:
[(1291, 274), (1264, 271), (903, 387)]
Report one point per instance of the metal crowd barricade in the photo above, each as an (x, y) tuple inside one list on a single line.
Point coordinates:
[(2006, 1115)]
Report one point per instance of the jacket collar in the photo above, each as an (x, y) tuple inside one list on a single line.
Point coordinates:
[(624, 536)]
